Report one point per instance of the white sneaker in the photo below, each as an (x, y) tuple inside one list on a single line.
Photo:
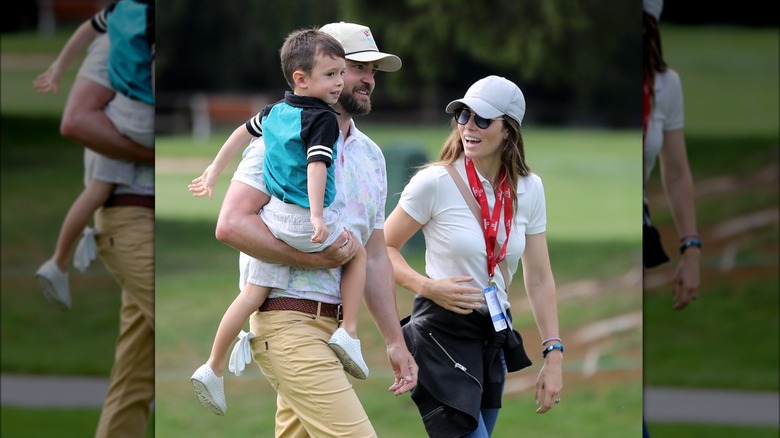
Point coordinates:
[(210, 389), (347, 349), (54, 284)]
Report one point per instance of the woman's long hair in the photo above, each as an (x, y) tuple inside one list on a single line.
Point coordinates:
[(652, 55), (512, 153)]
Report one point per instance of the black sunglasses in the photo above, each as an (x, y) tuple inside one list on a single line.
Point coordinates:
[(462, 116)]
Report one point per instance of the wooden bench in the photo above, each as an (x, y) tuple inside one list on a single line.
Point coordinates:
[(210, 110)]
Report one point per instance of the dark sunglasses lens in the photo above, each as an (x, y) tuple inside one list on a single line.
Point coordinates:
[(463, 115), (481, 123)]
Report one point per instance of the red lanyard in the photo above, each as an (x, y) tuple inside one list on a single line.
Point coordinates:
[(490, 222)]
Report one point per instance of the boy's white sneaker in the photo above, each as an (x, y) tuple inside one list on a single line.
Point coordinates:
[(347, 349), (54, 284), (210, 389)]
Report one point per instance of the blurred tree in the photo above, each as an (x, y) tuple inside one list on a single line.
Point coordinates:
[(576, 61), (573, 52), (229, 46)]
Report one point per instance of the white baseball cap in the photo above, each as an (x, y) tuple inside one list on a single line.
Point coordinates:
[(359, 45), (493, 97), (653, 7)]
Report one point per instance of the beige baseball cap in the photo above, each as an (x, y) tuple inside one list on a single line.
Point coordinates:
[(359, 45)]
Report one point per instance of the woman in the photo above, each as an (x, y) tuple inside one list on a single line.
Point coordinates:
[(664, 140), (463, 346), (663, 137)]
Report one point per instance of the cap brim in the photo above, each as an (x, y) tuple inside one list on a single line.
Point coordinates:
[(384, 61), (479, 106)]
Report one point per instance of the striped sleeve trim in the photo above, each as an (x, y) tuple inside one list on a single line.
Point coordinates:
[(319, 153), (100, 20), (255, 125)]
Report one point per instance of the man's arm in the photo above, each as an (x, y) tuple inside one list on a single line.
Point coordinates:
[(240, 226), (380, 301), (84, 122)]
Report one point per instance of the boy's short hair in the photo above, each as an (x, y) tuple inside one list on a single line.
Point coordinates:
[(302, 46)]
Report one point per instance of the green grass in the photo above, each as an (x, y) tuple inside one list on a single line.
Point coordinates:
[(35, 423), (62, 423), (729, 77), (31, 42), (36, 337), (17, 94), (712, 338)]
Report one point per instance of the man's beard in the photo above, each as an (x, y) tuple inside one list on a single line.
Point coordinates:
[(353, 106)]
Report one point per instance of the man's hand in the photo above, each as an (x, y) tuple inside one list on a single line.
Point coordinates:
[(404, 369), (342, 251)]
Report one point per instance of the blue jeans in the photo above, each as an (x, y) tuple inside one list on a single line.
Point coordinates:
[(488, 417), (487, 421)]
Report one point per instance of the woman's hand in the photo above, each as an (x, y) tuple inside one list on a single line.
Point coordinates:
[(549, 383), (686, 278), (447, 293)]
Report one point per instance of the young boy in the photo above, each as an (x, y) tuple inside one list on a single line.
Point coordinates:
[(132, 113), (300, 134)]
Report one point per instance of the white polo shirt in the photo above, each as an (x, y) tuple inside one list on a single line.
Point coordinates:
[(454, 243), (667, 115)]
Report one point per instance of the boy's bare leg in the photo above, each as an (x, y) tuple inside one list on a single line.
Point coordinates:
[(247, 302), (344, 341), (353, 282)]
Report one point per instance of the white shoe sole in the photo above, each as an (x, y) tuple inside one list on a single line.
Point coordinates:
[(348, 351), (350, 366), (205, 397), (50, 293)]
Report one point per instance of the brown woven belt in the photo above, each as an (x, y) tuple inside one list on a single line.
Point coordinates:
[(311, 307), (130, 200)]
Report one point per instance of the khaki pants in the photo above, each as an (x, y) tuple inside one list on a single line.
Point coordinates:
[(126, 246), (314, 396)]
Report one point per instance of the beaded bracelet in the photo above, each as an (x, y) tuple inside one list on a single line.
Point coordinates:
[(551, 348), (690, 243), (685, 237), (551, 339)]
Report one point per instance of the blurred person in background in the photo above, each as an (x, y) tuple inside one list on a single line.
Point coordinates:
[(118, 72), (123, 114), (663, 140)]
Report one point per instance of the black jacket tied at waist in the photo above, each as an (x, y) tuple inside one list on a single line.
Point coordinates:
[(461, 370)]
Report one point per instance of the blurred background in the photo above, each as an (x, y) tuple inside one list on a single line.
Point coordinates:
[(41, 174), (702, 376), (564, 54)]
